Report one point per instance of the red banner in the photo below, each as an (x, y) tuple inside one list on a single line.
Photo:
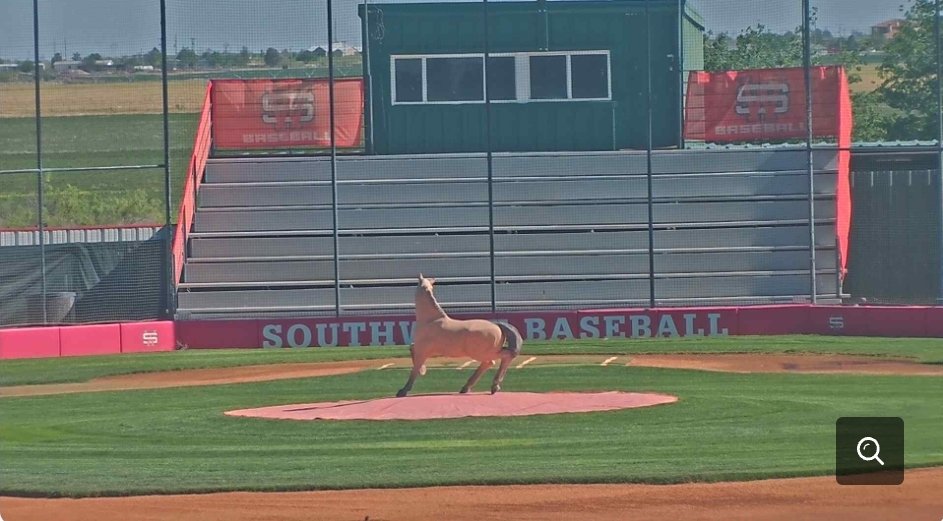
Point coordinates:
[(763, 104), (289, 113)]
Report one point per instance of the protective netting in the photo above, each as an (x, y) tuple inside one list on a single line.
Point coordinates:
[(538, 154)]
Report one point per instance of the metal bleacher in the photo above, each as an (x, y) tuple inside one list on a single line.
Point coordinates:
[(571, 230)]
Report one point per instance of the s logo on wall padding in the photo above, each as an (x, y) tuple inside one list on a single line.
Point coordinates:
[(148, 338)]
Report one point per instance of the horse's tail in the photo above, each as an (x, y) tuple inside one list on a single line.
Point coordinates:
[(412, 353), (513, 338)]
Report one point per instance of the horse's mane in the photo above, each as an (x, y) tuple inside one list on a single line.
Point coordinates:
[(431, 298)]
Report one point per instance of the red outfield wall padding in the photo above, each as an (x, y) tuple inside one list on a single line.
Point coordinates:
[(789, 319), (838, 320), (102, 339), (933, 322), (897, 321), (219, 334), (146, 337), (881, 321), (29, 342)]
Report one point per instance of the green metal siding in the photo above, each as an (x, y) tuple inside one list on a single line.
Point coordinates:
[(693, 41), (617, 26)]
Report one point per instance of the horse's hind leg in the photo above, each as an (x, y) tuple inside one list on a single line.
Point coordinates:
[(487, 364), (502, 370)]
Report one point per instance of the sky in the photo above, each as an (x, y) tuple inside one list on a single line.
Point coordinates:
[(123, 27)]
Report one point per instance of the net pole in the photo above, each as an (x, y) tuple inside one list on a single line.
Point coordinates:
[(939, 138), (648, 158), (330, 97), (807, 73), (168, 258), (39, 154), (368, 77), (490, 161)]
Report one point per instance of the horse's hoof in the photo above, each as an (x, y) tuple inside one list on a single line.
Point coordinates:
[(495, 388), (401, 393), (464, 390)]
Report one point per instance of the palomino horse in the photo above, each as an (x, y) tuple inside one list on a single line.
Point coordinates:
[(438, 334)]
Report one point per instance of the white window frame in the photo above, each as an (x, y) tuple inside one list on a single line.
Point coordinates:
[(521, 77)]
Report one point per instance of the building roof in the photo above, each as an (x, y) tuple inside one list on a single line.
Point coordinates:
[(889, 23)]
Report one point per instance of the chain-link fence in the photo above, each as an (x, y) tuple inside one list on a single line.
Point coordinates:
[(540, 154)]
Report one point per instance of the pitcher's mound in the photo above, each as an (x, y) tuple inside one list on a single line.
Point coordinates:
[(433, 406)]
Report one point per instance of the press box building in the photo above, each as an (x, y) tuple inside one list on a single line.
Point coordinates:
[(562, 75)]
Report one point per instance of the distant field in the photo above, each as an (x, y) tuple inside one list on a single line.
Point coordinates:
[(92, 198), (870, 79), (62, 99), (142, 94)]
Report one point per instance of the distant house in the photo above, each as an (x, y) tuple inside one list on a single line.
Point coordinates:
[(143, 68), (343, 47), (66, 66), (887, 29)]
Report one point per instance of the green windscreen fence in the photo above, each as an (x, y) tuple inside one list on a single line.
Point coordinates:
[(85, 282)]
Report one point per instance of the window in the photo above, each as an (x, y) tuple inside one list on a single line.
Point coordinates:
[(548, 77), (454, 79), (512, 77), (501, 78), (590, 75), (408, 80)]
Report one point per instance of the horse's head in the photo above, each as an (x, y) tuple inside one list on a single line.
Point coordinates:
[(425, 284)]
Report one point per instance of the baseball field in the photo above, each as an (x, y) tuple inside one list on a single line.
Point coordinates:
[(143, 436)]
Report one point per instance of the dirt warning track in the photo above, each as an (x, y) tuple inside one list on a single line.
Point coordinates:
[(737, 363), (767, 500)]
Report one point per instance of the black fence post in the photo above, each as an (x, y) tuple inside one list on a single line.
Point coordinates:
[(807, 71), (37, 66), (490, 161), (648, 157), (330, 96), (168, 257), (939, 137)]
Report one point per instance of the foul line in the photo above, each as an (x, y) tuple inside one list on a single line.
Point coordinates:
[(525, 362), (384, 366), (604, 364)]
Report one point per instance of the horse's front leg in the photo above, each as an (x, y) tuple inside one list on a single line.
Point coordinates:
[(409, 383), (506, 359), (487, 364)]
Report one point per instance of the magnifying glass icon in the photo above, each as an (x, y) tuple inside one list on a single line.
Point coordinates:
[(864, 442)]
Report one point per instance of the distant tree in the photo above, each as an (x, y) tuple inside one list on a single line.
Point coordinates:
[(153, 58), (304, 56), (89, 62), (212, 58), (320, 53), (244, 56), (272, 57), (25, 66), (187, 57), (56, 58), (76, 57), (753, 48), (910, 85)]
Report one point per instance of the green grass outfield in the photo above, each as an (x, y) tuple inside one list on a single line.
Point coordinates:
[(725, 426)]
